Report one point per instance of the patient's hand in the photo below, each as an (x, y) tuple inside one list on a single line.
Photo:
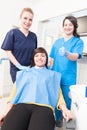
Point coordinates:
[(2, 117), (67, 114)]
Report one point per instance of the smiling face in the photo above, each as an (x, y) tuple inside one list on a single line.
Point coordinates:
[(40, 59), (68, 27), (26, 20)]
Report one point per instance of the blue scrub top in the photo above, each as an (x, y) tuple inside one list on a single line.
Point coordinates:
[(21, 46), (62, 64)]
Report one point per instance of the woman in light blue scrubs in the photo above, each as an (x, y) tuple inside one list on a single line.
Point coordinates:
[(63, 58)]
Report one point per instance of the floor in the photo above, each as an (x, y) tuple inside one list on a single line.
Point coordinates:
[(63, 128)]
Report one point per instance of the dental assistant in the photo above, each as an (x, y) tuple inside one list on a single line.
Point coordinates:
[(63, 58)]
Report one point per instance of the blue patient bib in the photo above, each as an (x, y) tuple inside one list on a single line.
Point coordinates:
[(37, 85)]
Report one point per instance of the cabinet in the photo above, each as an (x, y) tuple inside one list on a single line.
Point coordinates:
[(5, 79), (82, 71)]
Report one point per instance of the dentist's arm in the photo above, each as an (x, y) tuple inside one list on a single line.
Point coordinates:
[(11, 57), (14, 61)]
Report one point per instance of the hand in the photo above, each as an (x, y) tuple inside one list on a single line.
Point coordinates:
[(2, 119), (67, 114), (21, 67), (62, 51)]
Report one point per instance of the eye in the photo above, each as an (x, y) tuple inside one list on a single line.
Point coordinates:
[(36, 55), (25, 17), (30, 20), (43, 56)]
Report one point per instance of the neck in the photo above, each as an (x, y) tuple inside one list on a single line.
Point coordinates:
[(39, 67), (24, 31), (66, 37)]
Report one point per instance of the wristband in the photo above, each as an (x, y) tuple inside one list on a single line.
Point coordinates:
[(21, 67), (67, 53)]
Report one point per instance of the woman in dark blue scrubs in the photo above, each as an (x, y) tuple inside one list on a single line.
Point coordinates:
[(20, 43)]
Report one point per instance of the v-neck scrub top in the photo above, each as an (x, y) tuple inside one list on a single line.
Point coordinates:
[(62, 64), (21, 46)]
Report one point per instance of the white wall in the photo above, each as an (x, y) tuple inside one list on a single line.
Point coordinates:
[(43, 10), (9, 15), (51, 8)]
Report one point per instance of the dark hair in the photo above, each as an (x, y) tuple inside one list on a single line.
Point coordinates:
[(73, 20), (39, 50)]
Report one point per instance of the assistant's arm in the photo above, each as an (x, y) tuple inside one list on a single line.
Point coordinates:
[(14, 60), (72, 56)]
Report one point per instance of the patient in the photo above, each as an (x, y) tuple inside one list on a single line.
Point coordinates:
[(34, 97)]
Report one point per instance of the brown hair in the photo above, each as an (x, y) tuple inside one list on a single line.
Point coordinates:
[(39, 50), (73, 20), (26, 9)]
